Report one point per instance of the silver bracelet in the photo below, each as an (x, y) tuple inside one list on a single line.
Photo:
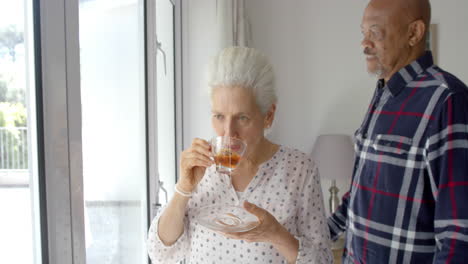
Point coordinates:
[(184, 194)]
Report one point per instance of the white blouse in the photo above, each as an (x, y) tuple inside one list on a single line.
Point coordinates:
[(287, 186)]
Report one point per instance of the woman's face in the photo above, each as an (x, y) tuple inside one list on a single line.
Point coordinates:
[(235, 113)]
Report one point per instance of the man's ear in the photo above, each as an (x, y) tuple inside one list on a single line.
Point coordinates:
[(417, 32)]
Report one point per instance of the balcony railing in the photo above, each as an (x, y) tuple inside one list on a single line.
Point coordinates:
[(13, 148)]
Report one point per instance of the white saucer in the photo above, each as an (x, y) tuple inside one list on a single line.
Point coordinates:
[(226, 218)]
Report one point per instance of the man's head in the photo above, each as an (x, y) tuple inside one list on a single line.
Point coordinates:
[(394, 34)]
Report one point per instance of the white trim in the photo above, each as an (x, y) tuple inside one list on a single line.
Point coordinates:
[(75, 153), (152, 97), (152, 106), (30, 42), (180, 33), (62, 131)]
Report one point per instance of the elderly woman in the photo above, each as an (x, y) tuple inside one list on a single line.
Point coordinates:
[(277, 184)]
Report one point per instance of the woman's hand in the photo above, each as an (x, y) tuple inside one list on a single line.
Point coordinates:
[(193, 163), (266, 231), (270, 231)]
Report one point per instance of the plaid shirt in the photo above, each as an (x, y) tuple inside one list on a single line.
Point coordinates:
[(408, 201)]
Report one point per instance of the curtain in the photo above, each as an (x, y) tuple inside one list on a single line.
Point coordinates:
[(233, 25)]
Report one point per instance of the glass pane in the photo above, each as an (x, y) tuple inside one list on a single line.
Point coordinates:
[(165, 88), (113, 119), (19, 203)]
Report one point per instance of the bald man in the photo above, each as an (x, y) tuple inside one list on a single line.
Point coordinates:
[(408, 201)]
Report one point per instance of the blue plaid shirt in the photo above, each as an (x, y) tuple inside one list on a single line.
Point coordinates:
[(408, 201)]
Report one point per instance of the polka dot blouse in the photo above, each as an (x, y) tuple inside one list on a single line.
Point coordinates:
[(287, 186)]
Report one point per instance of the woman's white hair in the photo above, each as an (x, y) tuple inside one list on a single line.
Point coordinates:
[(247, 68)]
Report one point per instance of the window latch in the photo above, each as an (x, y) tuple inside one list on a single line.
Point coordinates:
[(160, 49), (156, 206)]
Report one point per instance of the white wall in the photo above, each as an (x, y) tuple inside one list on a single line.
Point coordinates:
[(307, 68), (322, 82), (321, 79), (451, 18), (199, 26)]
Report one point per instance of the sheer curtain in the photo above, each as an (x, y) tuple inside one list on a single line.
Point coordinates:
[(233, 25)]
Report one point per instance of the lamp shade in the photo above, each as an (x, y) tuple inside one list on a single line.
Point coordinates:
[(334, 156)]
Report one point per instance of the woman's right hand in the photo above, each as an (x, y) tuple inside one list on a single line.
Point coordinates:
[(193, 163)]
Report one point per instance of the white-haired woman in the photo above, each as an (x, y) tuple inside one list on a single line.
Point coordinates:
[(280, 184)]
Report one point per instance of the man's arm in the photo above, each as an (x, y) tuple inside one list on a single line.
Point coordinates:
[(447, 159), (337, 221)]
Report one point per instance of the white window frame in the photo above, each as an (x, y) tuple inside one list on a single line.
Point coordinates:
[(60, 165), (180, 34), (151, 47), (62, 168), (152, 118)]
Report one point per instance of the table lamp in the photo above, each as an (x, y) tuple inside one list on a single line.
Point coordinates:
[(334, 156)]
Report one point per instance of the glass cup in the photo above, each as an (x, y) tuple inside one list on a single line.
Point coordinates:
[(227, 152)]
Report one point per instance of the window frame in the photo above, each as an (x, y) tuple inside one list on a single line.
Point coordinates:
[(59, 132), (151, 52), (58, 115)]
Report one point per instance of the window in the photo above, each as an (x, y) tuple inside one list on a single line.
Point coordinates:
[(19, 196), (113, 96), (89, 137), (166, 98)]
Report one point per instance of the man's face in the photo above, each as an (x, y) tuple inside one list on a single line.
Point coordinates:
[(383, 39)]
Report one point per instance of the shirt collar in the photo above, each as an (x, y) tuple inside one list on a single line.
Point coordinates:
[(408, 73)]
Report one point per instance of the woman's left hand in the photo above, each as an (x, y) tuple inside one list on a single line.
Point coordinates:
[(266, 231), (270, 231)]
